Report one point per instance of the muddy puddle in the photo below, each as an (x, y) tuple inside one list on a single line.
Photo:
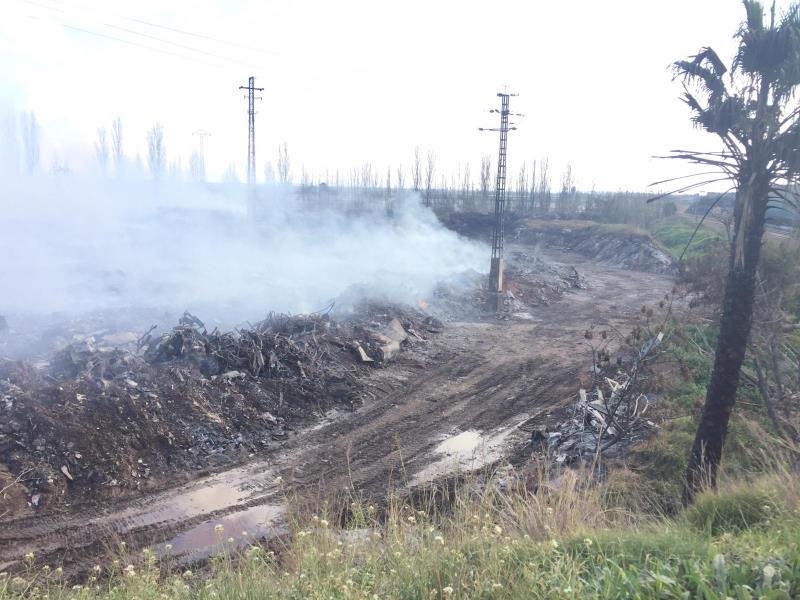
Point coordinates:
[(200, 501), (231, 532), (467, 451)]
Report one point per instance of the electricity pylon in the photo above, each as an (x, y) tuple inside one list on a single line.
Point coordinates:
[(496, 265), (251, 120)]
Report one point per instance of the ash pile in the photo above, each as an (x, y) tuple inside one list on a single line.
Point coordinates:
[(100, 421), (533, 281), (530, 280)]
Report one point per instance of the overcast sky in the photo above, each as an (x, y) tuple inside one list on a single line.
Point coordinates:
[(353, 81)]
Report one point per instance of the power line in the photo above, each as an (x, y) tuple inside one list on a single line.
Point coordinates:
[(124, 41), (158, 26), (201, 36), (171, 43), (137, 33), (248, 48)]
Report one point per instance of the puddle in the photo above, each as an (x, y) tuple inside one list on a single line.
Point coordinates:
[(466, 451), (203, 499), (525, 316), (463, 443), (243, 527)]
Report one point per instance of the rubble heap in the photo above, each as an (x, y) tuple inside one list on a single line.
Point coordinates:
[(602, 423), (530, 280), (535, 281), (604, 420), (100, 420)]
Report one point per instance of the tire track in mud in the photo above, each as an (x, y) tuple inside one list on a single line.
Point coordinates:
[(484, 376)]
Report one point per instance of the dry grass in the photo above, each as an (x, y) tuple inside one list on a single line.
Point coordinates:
[(494, 539), (558, 225)]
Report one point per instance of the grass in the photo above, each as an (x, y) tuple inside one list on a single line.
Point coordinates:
[(582, 224), (670, 233), (564, 541), (657, 467), (674, 233)]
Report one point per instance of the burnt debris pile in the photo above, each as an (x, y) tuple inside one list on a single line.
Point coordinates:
[(535, 281), (606, 419), (100, 420)]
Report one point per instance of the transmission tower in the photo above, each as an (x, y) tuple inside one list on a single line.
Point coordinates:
[(496, 265), (251, 121), (201, 135)]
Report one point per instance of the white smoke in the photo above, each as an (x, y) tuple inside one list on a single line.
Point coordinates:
[(72, 245)]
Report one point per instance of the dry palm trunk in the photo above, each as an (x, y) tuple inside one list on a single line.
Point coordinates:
[(737, 313)]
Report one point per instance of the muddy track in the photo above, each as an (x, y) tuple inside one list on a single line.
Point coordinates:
[(482, 377)]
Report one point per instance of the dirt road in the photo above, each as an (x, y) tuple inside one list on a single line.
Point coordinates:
[(454, 405)]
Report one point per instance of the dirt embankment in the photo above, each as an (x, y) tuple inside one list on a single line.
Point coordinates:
[(616, 245)]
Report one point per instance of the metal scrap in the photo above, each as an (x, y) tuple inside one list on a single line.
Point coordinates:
[(604, 419)]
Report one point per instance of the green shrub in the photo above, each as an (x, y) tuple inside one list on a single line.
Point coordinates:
[(731, 512), (661, 463)]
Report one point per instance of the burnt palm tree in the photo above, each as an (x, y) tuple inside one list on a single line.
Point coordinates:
[(753, 110)]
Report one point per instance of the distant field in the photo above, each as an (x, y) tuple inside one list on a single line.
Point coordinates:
[(675, 234)]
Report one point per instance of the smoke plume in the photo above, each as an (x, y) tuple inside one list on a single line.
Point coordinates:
[(73, 245)]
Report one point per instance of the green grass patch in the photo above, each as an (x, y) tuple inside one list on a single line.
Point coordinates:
[(584, 225), (732, 512), (674, 234), (630, 548), (655, 480)]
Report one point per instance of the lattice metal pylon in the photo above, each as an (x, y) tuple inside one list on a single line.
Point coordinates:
[(498, 235), (251, 122)]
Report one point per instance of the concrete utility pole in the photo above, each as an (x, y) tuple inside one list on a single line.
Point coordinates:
[(251, 138), (496, 265)]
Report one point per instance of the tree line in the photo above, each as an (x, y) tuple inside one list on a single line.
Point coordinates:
[(530, 190)]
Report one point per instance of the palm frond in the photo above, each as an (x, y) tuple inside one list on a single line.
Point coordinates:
[(755, 15), (771, 54), (696, 70), (718, 153), (788, 33), (700, 222), (698, 158), (687, 188), (788, 197), (689, 176), (787, 151), (795, 113)]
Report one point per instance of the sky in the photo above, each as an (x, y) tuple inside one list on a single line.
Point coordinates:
[(355, 81)]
